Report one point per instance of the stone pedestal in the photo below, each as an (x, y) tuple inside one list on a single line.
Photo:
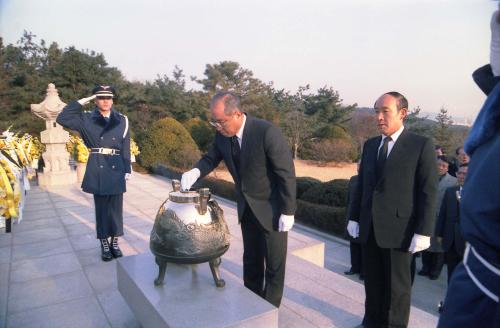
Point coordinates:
[(80, 171), (189, 297), (57, 170)]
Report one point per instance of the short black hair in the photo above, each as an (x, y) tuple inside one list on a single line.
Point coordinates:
[(458, 149), (443, 158), (463, 165), (402, 101)]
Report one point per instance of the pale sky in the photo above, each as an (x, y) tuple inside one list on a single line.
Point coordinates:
[(425, 49)]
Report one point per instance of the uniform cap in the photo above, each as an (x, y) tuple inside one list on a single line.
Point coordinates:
[(104, 91)]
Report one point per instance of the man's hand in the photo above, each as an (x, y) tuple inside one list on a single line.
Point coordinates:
[(419, 243), (353, 229), (286, 222), (85, 101), (189, 178)]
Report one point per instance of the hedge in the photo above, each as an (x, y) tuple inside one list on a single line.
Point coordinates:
[(304, 183), (330, 219), (168, 142), (332, 193)]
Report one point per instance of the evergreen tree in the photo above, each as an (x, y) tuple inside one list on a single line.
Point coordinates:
[(442, 132)]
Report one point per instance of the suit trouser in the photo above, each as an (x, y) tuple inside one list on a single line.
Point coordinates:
[(387, 285), (453, 258), (264, 258), (108, 215), (356, 260), (432, 262)]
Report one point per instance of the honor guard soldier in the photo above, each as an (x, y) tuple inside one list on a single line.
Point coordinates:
[(106, 133)]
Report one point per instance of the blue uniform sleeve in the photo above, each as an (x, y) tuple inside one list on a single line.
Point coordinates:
[(126, 152), (71, 116)]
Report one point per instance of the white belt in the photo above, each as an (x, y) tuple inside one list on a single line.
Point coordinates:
[(105, 151)]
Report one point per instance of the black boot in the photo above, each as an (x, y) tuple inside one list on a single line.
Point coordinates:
[(115, 250), (106, 251)]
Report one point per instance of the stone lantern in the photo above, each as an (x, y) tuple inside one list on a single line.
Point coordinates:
[(57, 170)]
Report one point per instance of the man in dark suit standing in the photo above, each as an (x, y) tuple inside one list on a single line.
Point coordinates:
[(394, 211), (260, 162), (448, 224), (354, 246)]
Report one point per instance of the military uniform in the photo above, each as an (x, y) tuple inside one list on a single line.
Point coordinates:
[(474, 290), (108, 140)]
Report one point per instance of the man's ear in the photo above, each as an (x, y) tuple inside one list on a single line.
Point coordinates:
[(403, 112)]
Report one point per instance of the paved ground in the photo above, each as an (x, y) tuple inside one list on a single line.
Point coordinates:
[(426, 293), (51, 274)]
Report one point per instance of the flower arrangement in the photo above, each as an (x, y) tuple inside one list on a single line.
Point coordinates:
[(77, 149), (134, 150), (10, 192)]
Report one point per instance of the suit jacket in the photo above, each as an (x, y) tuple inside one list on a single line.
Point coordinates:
[(448, 224), (446, 182), (403, 201), (266, 181), (105, 174), (351, 190)]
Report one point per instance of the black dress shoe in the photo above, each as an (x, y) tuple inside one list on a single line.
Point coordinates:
[(434, 276), (105, 251), (115, 250), (350, 272), (440, 307), (423, 273)]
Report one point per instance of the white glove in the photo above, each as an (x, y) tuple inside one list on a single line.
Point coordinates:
[(419, 243), (189, 178), (85, 101), (128, 176), (286, 222), (353, 229)]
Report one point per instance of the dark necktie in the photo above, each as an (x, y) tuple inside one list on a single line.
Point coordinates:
[(382, 157), (235, 152)]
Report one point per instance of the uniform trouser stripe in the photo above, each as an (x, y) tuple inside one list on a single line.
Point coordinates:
[(488, 275)]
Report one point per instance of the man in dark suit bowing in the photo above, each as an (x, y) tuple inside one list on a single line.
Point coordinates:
[(393, 211), (260, 162)]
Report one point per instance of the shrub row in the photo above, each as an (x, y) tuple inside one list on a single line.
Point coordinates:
[(330, 219), (304, 183), (331, 193)]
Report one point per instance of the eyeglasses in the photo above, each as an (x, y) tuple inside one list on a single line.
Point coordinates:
[(218, 124)]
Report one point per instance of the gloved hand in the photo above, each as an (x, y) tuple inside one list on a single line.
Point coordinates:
[(189, 178), (286, 222), (128, 176), (353, 229), (419, 243), (85, 101)]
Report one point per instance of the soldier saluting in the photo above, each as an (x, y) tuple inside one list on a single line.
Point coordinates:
[(105, 132)]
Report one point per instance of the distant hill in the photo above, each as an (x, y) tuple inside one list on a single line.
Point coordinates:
[(428, 117)]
